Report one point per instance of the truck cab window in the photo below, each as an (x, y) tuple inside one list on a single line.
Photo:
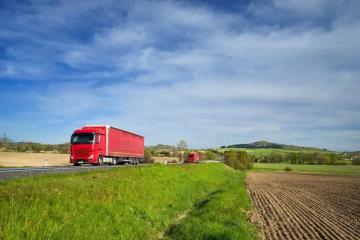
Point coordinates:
[(82, 138)]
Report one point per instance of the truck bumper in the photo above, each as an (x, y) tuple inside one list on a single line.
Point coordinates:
[(89, 160), (84, 161)]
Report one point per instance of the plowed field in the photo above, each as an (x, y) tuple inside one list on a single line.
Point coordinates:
[(299, 206)]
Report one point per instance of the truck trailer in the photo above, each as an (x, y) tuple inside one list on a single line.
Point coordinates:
[(102, 144), (193, 157)]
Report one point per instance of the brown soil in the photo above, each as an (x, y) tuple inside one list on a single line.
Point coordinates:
[(299, 206)]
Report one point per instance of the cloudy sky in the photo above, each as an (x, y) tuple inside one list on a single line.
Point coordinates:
[(210, 72)]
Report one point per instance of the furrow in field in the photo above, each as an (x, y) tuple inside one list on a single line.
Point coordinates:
[(293, 218), (325, 221), (280, 224), (309, 218), (293, 206), (270, 216), (349, 207), (285, 230), (333, 212), (328, 214), (307, 226), (273, 203), (266, 212)]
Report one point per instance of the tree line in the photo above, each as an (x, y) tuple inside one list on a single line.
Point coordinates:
[(242, 160), (34, 147), (314, 158)]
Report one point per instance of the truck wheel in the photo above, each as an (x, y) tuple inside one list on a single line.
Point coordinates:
[(100, 160)]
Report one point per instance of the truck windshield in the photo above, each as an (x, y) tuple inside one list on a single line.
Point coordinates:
[(82, 138)]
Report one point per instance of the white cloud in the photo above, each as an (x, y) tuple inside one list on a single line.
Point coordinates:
[(315, 5), (171, 70), (8, 69)]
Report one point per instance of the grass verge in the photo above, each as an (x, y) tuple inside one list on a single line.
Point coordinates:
[(128, 203), (350, 170), (221, 215)]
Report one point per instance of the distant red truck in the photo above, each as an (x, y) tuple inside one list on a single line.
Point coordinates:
[(193, 157), (102, 144)]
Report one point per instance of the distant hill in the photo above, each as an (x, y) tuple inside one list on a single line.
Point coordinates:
[(161, 147), (266, 144)]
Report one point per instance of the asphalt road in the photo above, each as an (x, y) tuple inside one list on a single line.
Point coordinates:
[(16, 172)]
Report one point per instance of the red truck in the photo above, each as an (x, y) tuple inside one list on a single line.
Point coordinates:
[(102, 144), (193, 157)]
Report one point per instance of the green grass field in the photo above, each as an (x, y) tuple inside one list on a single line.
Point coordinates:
[(318, 169), (204, 201)]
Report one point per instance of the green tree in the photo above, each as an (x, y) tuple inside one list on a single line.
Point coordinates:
[(292, 157), (332, 158), (276, 157), (321, 158), (165, 153), (36, 148)]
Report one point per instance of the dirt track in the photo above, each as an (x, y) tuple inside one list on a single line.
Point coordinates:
[(299, 206)]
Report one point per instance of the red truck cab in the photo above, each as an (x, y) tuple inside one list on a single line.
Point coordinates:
[(193, 157), (101, 144)]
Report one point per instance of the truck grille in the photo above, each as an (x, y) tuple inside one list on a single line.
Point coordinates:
[(81, 152)]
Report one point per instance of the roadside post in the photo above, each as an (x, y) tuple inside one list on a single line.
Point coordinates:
[(46, 162)]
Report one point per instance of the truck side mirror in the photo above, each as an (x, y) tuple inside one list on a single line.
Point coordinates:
[(98, 138)]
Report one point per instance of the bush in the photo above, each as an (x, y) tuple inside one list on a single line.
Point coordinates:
[(356, 161), (287, 169), (239, 160), (211, 154), (147, 156)]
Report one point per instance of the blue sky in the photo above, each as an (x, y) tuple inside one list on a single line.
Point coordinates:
[(210, 72)]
